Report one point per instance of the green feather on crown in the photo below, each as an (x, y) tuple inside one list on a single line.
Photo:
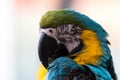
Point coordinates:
[(56, 18), (60, 17)]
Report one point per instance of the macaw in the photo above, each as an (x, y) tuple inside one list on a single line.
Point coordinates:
[(73, 47)]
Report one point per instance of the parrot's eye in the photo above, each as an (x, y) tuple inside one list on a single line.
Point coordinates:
[(50, 31)]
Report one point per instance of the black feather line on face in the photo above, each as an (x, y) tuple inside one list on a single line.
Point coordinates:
[(68, 29), (69, 35)]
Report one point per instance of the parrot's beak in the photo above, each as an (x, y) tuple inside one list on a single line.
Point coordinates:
[(46, 47), (49, 49)]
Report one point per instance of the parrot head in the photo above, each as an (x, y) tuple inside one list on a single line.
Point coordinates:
[(68, 33)]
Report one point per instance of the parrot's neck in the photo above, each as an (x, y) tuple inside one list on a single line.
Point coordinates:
[(91, 52)]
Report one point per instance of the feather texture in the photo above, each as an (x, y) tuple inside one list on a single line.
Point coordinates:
[(93, 61), (61, 70)]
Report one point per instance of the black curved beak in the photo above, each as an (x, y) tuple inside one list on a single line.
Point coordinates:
[(46, 47), (49, 49)]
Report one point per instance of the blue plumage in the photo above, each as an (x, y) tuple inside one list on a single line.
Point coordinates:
[(100, 73), (62, 27), (62, 66)]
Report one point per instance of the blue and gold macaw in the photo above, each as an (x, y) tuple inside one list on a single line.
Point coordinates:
[(73, 47)]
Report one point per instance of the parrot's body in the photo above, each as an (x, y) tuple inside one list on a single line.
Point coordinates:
[(74, 47)]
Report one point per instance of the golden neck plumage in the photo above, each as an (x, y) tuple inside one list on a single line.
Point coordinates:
[(92, 50)]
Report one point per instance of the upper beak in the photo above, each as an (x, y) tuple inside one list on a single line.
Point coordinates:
[(47, 46), (49, 49)]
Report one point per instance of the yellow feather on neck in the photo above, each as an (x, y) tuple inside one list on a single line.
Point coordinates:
[(41, 73), (92, 50)]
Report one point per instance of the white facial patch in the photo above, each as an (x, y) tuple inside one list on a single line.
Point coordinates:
[(69, 35)]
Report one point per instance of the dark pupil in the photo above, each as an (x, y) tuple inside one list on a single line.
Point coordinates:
[(50, 31)]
